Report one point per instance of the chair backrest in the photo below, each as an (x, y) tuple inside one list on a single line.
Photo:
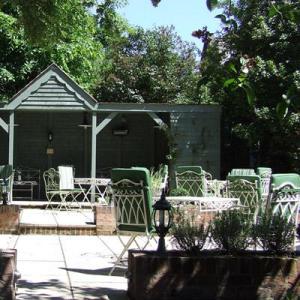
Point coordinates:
[(264, 172), (66, 177), (285, 202), (250, 178), (241, 172), (265, 177), (246, 191), (278, 181), (132, 199), (51, 179), (192, 179)]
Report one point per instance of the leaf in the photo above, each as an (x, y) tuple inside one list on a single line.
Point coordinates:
[(212, 4), (231, 67), (273, 11), (222, 18), (249, 93), (282, 110), (229, 82)]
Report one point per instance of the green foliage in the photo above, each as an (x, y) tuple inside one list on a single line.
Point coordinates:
[(252, 68), (152, 66), (156, 180), (179, 192), (230, 230), (26, 49), (274, 233), (187, 235)]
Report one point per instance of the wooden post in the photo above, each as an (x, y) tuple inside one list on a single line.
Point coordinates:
[(11, 138)]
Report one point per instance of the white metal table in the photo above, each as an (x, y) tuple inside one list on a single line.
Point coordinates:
[(206, 204), (93, 188)]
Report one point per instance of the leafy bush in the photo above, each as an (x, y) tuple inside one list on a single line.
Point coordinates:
[(274, 233), (231, 230), (156, 180), (179, 192), (188, 235)]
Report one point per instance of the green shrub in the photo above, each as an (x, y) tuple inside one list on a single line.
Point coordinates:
[(156, 180), (274, 233), (179, 192), (231, 230), (188, 235)]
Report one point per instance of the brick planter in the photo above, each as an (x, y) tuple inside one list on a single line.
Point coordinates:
[(8, 261), (211, 276), (9, 218), (105, 219)]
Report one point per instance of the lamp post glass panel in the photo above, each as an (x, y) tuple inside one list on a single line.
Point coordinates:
[(162, 217)]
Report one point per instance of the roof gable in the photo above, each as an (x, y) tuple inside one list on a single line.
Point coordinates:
[(52, 89)]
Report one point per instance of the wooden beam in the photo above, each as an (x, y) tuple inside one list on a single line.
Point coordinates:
[(3, 125), (11, 138), (156, 119), (105, 122)]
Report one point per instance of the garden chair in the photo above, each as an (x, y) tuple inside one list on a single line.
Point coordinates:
[(241, 172), (6, 181), (248, 190), (60, 184), (285, 195), (192, 179), (132, 201), (265, 178)]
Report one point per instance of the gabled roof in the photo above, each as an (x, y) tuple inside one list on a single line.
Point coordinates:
[(52, 89)]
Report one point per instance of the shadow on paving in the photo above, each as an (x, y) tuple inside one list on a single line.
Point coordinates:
[(121, 272), (42, 290), (96, 293), (49, 290)]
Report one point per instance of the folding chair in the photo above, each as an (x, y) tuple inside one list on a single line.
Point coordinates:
[(132, 200)]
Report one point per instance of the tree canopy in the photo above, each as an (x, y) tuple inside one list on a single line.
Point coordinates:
[(150, 66)]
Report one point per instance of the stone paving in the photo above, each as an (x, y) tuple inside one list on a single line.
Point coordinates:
[(66, 267)]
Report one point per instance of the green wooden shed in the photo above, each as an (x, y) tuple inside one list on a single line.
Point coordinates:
[(52, 121)]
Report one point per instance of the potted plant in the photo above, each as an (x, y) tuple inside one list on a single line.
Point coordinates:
[(248, 261)]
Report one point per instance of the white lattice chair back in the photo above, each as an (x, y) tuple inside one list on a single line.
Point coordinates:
[(130, 208), (191, 181), (247, 192), (285, 202)]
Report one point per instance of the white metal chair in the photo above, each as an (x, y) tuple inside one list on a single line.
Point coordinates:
[(132, 200), (192, 179), (247, 192), (60, 184), (285, 195), (265, 178)]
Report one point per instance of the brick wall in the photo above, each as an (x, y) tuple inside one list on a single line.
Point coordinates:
[(105, 219), (9, 218), (210, 277)]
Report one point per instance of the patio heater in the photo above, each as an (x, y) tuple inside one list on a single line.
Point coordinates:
[(163, 218)]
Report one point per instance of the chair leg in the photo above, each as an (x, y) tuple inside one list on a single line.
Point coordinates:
[(125, 248)]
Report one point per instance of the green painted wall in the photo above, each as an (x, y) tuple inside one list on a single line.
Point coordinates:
[(197, 138)]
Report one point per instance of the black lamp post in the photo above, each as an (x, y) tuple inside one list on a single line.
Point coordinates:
[(162, 217)]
